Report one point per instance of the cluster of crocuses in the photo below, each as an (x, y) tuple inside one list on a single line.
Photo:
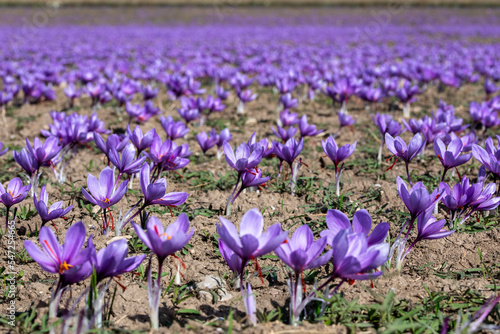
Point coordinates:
[(356, 254), (74, 264), (460, 201)]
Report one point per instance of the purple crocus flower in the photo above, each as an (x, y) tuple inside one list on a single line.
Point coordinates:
[(104, 192), (140, 141), (173, 129), (337, 155), (430, 228), (288, 101), (222, 93), (337, 221), (283, 134), (47, 213), (491, 161), (163, 243), (353, 259), (72, 93), (386, 124), (251, 242), (264, 143), (207, 141), (112, 260), (483, 114), (166, 155), (300, 253), (27, 162), (244, 159), (149, 92), (450, 156), (224, 136), (288, 118), (307, 130), (251, 179), (69, 260), (44, 153), (14, 194), (417, 199), (189, 115), (345, 120), (398, 147), (127, 163), (114, 141), (155, 193), (244, 96)]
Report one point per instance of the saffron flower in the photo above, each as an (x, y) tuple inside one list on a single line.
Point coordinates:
[(300, 253), (173, 129), (69, 260), (283, 134), (243, 160), (127, 163), (337, 155), (386, 124), (15, 193), (307, 130), (249, 244), (155, 192), (450, 156), (207, 141), (163, 242), (289, 152), (2, 152), (140, 141), (361, 223), (104, 192), (399, 149), (47, 213)]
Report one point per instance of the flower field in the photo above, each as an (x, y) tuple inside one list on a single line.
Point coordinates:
[(225, 169)]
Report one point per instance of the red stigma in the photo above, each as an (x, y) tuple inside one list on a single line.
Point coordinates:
[(182, 263), (351, 281), (258, 269), (392, 164)]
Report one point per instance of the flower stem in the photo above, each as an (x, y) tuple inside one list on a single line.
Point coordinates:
[(230, 199), (154, 296), (408, 173), (7, 219)]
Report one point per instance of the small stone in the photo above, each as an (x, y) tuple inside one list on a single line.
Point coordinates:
[(251, 121)]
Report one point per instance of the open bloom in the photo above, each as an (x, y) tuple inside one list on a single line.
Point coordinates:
[(398, 147), (429, 227), (301, 252), (112, 260), (251, 242), (173, 129), (69, 260), (15, 192), (127, 163), (43, 153), (114, 141), (49, 213), (450, 156), (140, 141), (361, 223), (155, 193), (307, 130), (337, 154), (289, 151), (162, 241), (244, 158), (283, 134), (417, 199), (354, 259), (103, 192)]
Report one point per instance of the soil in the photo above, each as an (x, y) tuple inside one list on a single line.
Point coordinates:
[(457, 252)]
